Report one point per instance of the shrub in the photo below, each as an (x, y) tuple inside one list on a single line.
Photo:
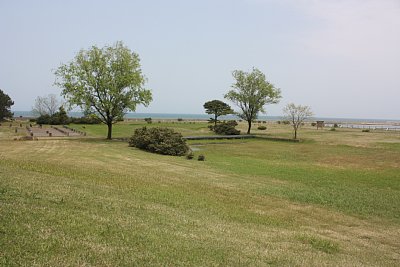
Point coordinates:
[(86, 120), (190, 155), (44, 119), (58, 118), (313, 124), (286, 122), (180, 119), (262, 127), (227, 128), (201, 157), (332, 129), (335, 125), (365, 130), (278, 122), (148, 120), (159, 140)]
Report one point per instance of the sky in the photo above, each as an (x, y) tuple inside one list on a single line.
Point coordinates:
[(340, 57)]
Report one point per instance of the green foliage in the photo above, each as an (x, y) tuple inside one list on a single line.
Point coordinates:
[(148, 120), (217, 108), (91, 119), (201, 157), (251, 93), (226, 128), (332, 129), (5, 106), (159, 140), (58, 118), (262, 127), (104, 81), (286, 122), (313, 124)]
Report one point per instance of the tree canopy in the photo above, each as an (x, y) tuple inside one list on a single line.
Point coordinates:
[(5, 106), (296, 115), (251, 92), (104, 81), (217, 108)]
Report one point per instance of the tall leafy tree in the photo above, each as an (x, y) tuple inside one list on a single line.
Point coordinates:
[(5, 106), (251, 92), (296, 114), (107, 82), (217, 108)]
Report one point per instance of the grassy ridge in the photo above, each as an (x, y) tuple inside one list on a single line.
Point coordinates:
[(91, 202)]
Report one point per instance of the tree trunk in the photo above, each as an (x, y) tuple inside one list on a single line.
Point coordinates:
[(215, 120), (109, 125), (295, 133), (248, 129)]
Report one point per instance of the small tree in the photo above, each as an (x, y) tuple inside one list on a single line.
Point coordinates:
[(296, 115), (5, 106), (46, 105), (107, 82), (217, 108), (251, 93)]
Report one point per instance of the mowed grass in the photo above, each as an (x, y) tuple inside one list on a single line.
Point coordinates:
[(125, 129), (91, 202)]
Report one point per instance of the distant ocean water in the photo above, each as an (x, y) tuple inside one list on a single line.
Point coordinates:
[(206, 117)]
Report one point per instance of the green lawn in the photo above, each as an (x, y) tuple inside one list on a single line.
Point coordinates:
[(331, 200)]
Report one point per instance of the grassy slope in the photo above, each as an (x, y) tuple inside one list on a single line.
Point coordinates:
[(91, 202)]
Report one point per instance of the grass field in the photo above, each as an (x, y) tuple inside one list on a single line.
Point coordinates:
[(331, 200)]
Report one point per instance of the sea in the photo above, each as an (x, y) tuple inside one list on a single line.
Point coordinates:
[(172, 116)]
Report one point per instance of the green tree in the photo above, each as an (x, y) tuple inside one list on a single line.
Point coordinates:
[(296, 115), (217, 108), (5, 106), (61, 116), (107, 82), (251, 93)]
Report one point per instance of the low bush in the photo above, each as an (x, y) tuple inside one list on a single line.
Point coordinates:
[(262, 127), (58, 118), (313, 124), (190, 155), (201, 157), (148, 120), (159, 140), (86, 120), (365, 130), (227, 128), (332, 129)]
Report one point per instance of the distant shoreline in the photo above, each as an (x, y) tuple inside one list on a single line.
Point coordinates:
[(173, 116)]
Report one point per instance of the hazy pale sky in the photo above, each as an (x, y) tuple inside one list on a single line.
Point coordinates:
[(341, 57)]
